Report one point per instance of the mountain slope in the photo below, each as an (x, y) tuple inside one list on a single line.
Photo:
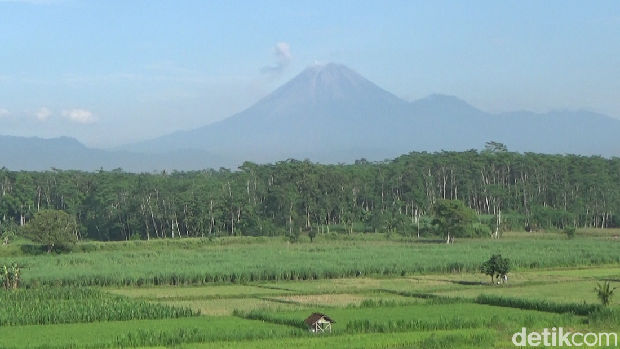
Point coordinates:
[(37, 154), (329, 113), (325, 107), (559, 132)]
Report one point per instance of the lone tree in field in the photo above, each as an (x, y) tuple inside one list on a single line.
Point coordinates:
[(452, 218), (52, 228), (604, 292), (496, 267)]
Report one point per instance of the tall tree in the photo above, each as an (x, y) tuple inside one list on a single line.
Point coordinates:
[(52, 228), (452, 218)]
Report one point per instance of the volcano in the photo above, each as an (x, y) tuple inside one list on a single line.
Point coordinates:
[(330, 113)]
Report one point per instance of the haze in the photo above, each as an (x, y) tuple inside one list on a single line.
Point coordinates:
[(115, 72)]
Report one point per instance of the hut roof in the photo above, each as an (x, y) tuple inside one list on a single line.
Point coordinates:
[(312, 319)]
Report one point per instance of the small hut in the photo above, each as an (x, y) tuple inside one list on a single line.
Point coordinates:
[(318, 322)]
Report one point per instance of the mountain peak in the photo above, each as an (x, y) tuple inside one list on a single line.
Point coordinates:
[(62, 141), (329, 80), (441, 98), (330, 68), (322, 83), (444, 104)]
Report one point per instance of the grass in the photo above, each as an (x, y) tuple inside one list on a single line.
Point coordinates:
[(571, 291), (114, 333), (562, 286), (340, 300), (226, 306), (462, 339), (586, 272), (357, 285), (277, 260), (77, 305), (381, 292), (193, 293), (224, 299), (477, 313)]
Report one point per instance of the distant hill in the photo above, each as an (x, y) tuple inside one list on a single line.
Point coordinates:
[(37, 154), (329, 114)]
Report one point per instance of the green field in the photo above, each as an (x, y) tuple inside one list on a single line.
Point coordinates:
[(255, 293), (199, 262), (137, 333)]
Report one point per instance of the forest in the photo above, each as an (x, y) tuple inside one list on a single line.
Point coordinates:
[(291, 197)]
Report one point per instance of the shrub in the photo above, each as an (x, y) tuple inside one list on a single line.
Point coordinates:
[(570, 232), (604, 292)]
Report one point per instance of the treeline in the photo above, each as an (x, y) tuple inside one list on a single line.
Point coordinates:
[(289, 196)]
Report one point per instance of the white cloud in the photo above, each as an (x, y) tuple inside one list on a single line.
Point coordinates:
[(80, 116), (282, 51), (4, 112), (43, 114)]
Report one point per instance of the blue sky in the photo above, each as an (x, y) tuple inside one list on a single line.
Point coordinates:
[(110, 72)]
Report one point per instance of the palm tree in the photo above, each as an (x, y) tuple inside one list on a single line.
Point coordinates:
[(10, 276), (604, 292)]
